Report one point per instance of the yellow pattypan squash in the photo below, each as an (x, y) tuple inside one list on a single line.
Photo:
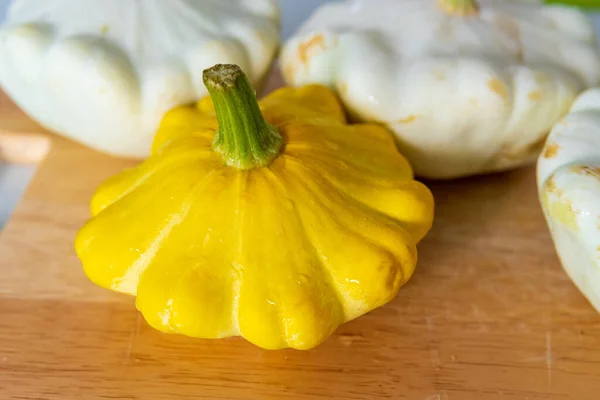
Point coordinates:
[(277, 226)]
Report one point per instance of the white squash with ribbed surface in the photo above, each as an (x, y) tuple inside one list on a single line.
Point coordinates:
[(104, 72), (468, 88), (569, 188)]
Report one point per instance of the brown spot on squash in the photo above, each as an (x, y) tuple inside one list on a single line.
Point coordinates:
[(497, 86), (535, 95), (551, 187), (551, 150), (308, 48), (585, 170), (407, 120), (572, 209)]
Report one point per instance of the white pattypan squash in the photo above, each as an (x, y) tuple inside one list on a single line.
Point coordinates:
[(468, 87), (105, 72), (569, 188)]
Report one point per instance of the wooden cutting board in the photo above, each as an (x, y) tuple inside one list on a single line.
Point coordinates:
[(489, 314)]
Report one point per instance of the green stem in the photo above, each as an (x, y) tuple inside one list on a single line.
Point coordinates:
[(244, 139), (459, 7)]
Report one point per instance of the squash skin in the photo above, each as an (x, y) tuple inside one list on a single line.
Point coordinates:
[(280, 255), (466, 90), (104, 76), (568, 178)]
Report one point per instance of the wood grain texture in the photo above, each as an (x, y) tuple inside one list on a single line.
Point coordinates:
[(488, 315)]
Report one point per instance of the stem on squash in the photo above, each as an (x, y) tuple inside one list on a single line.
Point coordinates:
[(461, 8), (244, 139)]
